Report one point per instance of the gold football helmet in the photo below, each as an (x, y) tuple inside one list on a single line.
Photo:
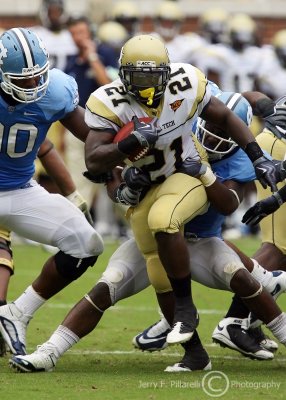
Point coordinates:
[(213, 25), (144, 68), (112, 33), (279, 44), (169, 18), (242, 31)]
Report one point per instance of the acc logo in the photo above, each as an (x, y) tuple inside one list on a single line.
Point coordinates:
[(177, 104), (3, 52), (140, 63)]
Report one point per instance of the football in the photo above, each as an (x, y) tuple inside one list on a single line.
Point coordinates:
[(140, 152)]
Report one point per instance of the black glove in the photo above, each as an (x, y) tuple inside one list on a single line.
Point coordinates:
[(261, 209), (102, 178), (276, 121), (135, 178), (280, 167), (192, 167), (145, 132), (265, 172), (127, 196)]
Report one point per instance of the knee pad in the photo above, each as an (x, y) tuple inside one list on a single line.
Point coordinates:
[(124, 281), (72, 268), (231, 268), (6, 246), (157, 274)]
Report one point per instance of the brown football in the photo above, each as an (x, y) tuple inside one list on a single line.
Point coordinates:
[(125, 131)]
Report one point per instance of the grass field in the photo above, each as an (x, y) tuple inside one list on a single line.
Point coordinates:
[(104, 365)]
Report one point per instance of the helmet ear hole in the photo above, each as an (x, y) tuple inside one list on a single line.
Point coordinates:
[(24, 57)]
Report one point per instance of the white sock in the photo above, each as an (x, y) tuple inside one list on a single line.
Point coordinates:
[(29, 301), (278, 328), (63, 339), (261, 274)]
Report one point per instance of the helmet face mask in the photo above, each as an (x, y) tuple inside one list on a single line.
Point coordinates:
[(24, 65), (216, 142), (144, 68)]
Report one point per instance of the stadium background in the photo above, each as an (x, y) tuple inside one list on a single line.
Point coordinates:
[(271, 16)]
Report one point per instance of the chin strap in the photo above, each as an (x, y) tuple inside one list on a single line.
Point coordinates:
[(148, 94)]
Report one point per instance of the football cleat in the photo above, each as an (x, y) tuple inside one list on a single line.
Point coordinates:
[(186, 321), (195, 358), (230, 333), (154, 337), (275, 287), (183, 367), (263, 340), (13, 325), (44, 359)]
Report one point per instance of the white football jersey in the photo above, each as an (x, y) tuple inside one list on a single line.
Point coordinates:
[(272, 75), (59, 45), (236, 70), (187, 93)]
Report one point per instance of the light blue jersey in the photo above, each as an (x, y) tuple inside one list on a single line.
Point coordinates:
[(234, 166), (24, 127)]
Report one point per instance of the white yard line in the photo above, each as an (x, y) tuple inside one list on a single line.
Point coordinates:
[(132, 308)]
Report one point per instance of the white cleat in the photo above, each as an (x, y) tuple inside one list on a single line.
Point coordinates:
[(13, 326), (44, 359), (179, 334), (181, 367)]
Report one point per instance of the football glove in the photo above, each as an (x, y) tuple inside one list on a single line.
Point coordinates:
[(192, 167), (266, 172), (146, 133), (280, 167), (261, 209), (127, 196), (198, 170), (276, 121), (135, 178), (77, 199)]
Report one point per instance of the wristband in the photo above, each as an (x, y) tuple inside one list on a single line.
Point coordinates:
[(208, 178), (253, 150)]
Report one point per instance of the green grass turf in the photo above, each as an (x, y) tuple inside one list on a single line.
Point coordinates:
[(104, 365)]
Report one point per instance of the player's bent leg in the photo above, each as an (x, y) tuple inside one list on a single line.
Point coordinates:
[(125, 275)]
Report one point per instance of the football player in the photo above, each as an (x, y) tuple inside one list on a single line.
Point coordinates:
[(126, 275), (53, 163), (174, 95), (31, 98)]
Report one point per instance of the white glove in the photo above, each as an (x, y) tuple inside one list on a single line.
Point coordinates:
[(77, 199)]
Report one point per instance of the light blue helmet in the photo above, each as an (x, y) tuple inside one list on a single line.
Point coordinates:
[(23, 56), (241, 107)]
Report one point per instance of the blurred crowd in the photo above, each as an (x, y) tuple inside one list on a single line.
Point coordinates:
[(227, 47)]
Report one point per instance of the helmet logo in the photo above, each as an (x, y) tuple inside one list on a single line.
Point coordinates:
[(151, 64), (30, 69), (177, 104), (3, 52)]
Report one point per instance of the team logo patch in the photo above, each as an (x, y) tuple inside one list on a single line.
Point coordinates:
[(177, 104)]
